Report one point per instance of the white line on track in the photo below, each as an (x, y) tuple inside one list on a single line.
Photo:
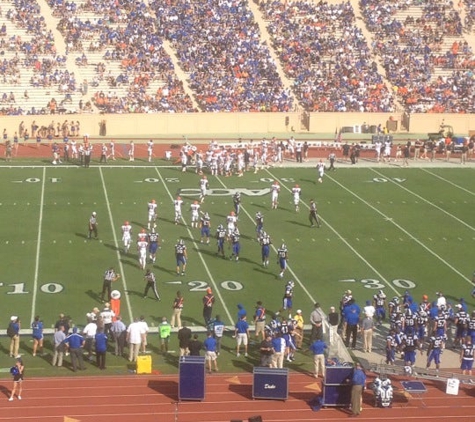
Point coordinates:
[(117, 248), (346, 243), (408, 234), (215, 286), (425, 200), (38, 246)]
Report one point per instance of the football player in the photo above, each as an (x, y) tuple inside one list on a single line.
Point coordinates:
[(265, 242), (181, 257), (142, 246), (237, 202), (177, 205), (195, 213), (153, 244), (296, 190), (231, 220), (220, 237), (126, 235), (282, 257), (236, 244), (275, 189), (204, 185), (205, 227), (152, 213), (320, 170)]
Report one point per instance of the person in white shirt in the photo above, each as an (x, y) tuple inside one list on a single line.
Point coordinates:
[(369, 310), (131, 151), (275, 189), (296, 194), (126, 236), (135, 335), (203, 188), (89, 333), (142, 246), (150, 150), (320, 170), (231, 220), (107, 315), (195, 214), (177, 205), (152, 213), (145, 329)]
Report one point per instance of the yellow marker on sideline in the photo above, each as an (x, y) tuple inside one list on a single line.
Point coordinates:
[(315, 387), (68, 419), (233, 380)]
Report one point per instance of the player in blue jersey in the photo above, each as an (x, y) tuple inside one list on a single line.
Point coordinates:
[(379, 303), (153, 244), (237, 202), (287, 299), (205, 228), (236, 244), (259, 219), (221, 239), (436, 344), (282, 258), (265, 242), (181, 257)]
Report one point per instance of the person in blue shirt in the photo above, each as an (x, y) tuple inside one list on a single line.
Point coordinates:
[(265, 242), (221, 238), (210, 346), (241, 311), (351, 314), (358, 382), (318, 348), (241, 333), (218, 331), (205, 228), (282, 257), (75, 343), (101, 348), (37, 334)]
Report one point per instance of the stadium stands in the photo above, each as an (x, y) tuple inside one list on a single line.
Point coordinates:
[(118, 56)]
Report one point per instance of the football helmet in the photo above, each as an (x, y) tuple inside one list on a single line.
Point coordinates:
[(283, 246)]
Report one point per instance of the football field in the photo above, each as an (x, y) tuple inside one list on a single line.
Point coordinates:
[(382, 228)]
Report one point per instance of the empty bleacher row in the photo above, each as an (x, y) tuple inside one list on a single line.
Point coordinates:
[(109, 56)]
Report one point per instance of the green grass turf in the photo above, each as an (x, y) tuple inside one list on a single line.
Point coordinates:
[(391, 229)]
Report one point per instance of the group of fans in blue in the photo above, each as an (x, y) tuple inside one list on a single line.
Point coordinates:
[(425, 326)]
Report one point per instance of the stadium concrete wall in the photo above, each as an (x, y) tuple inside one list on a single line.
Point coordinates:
[(195, 124)]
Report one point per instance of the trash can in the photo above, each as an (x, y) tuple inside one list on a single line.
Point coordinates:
[(270, 383), (191, 382)]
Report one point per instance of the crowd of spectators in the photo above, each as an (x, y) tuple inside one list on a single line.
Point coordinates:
[(126, 33), (230, 68), (326, 54), (411, 49), (220, 45)]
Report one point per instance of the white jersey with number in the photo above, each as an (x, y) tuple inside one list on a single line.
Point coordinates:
[(275, 189), (126, 232), (195, 212), (142, 247), (296, 194), (152, 210), (321, 169), (203, 185)]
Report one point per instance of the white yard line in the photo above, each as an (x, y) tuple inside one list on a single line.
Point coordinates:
[(449, 182), (468, 226), (361, 257), (408, 234), (117, 248), (200, 255), (38, 246)]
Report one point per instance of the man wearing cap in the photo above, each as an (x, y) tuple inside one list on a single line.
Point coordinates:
[(358, 381), (14, 334), (208, 302), (242, 335), (107, 315), (75, 343), (298, 329), (260, 320)]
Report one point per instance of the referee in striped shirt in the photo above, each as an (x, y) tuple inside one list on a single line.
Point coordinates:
[(109, 277), (151, 283)]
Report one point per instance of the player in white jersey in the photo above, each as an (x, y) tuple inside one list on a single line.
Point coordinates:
[(150, 150), (387, 150), (275, 189), (203, 188), (296, 194), (195, 213), (142, 246), (112, 150), (142, 235), (177, 205), (320, 170), (152, 213), (231, 221), (126, 236)]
